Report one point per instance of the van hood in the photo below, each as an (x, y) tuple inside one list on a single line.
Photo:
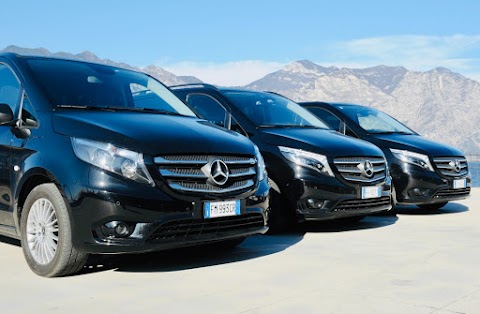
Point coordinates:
[(151, 134), (325, 142), (415, 143)]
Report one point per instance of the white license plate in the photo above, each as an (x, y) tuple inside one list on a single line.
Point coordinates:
[(460, 184), (221, 209), (371, 192)]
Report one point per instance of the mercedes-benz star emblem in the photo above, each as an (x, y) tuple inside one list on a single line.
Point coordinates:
[(455, 165), (366, 168), (218, 172)]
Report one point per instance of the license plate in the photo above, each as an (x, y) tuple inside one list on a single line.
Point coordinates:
[(371, 192), (221, 209), (460, 184)]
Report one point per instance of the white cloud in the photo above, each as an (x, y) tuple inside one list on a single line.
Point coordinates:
[(459, 53), (236, 73), (456, 52)]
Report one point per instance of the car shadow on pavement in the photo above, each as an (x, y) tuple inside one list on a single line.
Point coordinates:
[(10, 241), (194, 257), (369, 222), (450, 208)]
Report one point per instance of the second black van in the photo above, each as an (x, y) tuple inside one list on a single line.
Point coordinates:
[(315, 173)]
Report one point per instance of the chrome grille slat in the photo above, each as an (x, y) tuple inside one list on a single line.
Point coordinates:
[(349, 170), (445, 168), (205, 188), (203, 159), (184, 173), (198, 174), (356, 170)]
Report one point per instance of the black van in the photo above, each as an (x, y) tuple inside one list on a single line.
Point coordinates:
[(315, 173), (425, 173), (97, 159)]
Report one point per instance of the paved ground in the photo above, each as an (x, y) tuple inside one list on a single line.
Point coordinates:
[(411, 262)]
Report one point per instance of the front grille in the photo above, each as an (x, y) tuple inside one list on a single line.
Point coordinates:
[(191, 229), (192, 173), (452, 193), (353, 168), (359, 204), (451, 166)]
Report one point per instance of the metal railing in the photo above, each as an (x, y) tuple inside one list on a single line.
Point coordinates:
[(474, 167)]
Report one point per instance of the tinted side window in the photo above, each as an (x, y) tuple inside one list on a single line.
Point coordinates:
[(9, 87), (208, 108), (326, 116)]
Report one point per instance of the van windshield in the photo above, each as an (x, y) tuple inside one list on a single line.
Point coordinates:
[(270, 110), (374, 121), (85, 85)]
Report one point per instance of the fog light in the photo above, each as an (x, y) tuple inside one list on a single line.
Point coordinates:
[(314, 203), (118, 229), (122, 230), (420, 192)]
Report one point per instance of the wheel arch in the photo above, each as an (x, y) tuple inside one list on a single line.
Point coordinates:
[(34, 177)]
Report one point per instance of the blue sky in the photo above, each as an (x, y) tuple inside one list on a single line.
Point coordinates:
[(236, 42)]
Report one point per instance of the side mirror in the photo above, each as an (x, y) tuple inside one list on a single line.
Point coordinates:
[(6, 115)]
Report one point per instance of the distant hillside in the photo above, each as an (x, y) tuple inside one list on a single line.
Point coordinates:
[(162, 75), (439, 104)]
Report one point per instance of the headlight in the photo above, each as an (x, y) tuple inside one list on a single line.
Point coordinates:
[(261, 168), (413, 158), (114, 159), (307, 159)]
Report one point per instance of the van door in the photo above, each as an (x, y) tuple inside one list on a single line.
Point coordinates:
[(10, 94)]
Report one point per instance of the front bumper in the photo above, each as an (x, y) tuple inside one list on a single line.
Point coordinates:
[(159, 221), (414, 185), (337, 198)]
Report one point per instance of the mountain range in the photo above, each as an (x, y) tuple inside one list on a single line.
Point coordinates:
[(439, 104), (162, 75)]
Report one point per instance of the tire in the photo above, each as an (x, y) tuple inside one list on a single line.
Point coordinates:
[(46, 232), (281, 216), (434, 206)]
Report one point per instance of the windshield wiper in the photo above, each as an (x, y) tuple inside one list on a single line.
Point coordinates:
[(112, 108), (392, 132), (84, 107), (149, 110), (285, 126)]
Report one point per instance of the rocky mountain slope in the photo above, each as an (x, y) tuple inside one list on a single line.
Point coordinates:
[(439, 104), (162, 75)]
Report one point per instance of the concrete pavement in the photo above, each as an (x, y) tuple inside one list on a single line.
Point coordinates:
[(414, 261)]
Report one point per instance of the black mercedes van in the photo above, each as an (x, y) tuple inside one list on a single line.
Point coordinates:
[(315, 173), (424, 172), (97, 159)]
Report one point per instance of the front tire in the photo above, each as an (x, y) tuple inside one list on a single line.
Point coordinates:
[(282, 217), (46, 231)]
